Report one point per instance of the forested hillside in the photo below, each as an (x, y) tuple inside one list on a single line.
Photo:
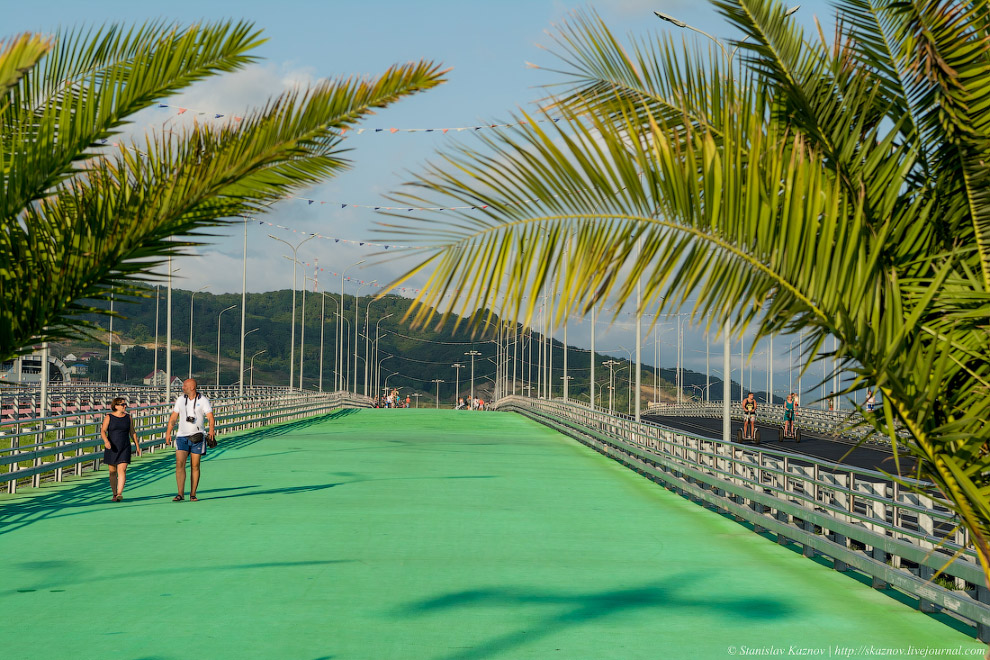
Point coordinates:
[(415, 357)]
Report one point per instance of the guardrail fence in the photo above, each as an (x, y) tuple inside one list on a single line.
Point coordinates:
[(825, 422), (858, 518), (37, 449)]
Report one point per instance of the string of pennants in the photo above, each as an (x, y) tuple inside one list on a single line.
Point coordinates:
[(179, 110), (344, 205), (373, 283), (262, 223)]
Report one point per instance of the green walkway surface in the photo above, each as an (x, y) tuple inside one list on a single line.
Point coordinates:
[(417, 534)]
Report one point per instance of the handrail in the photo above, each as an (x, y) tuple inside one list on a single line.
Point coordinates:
[(857, 517), (827, 422), (33, 448)]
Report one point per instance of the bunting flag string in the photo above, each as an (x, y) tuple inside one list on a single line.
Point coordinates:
[(262, 223), (180, 110)]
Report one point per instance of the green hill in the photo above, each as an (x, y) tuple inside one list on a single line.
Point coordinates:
[(417, 356)]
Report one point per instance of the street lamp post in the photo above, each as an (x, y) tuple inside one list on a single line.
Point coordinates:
[(417, 395), (323, 311), (367, 340), (357, 326), (252, 363), (611, 376), (376, 375), (457, 381), (292, 341), (438, 381), (726, 329), (218, 340), (192, 299), (342, 357), (472, 354)]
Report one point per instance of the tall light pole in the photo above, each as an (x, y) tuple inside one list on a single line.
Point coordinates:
[(378, 370), (192, 298), (611, 377), (240, 357), (109, 344), (438, 381), (457, 380), (472, 354), (322, 327), (168, 332), (592, 376), (376, 374), (367, 341), (726, 162), (342, 356), (218, 340), (252, 363), (292, 324), (357, 326), (154, 376)]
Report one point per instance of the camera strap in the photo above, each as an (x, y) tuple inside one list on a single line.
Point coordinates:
[(186, 406)]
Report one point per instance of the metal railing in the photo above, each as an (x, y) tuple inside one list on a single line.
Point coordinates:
[(25, 401), (857, 517), (37, 449), (847, 423)]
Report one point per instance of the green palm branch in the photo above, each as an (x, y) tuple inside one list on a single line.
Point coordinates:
[(81, 223), (810, 186)]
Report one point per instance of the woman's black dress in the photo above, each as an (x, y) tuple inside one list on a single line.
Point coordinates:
[(118, 432)]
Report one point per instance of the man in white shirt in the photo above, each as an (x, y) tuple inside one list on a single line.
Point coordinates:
[(189, 410)]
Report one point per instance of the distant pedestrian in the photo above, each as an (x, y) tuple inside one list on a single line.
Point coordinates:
[(190, 442), (460, 404), (749, 416), (871, 401), (117, 432), (831, 401), (789, 413)]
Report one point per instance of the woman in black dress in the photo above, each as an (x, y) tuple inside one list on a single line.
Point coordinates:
[(117, 432)]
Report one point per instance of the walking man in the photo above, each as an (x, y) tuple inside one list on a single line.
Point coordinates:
[(189, 409)]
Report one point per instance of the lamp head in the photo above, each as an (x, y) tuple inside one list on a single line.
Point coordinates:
[(670, 19)]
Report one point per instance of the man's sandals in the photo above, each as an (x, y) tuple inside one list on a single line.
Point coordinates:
[(192, 498)]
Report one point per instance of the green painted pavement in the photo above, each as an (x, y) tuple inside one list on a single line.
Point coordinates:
[(415, 534)]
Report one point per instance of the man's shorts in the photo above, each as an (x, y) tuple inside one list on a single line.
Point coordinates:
[(751, 416), (182, 444)]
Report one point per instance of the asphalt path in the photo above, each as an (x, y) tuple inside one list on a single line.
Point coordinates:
[(844, 452)]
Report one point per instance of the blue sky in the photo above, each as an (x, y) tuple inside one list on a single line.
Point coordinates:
[(488, 46)]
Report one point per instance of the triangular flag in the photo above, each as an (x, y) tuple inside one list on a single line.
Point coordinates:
[(343, 206), (217, 116), (445, 131), (379, 130), (393, 130), (310, 201), (181, 110), (237, 118), (336, 240), (342, 131)]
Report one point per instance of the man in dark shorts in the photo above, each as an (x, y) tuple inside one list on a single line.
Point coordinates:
[(189, 410), (749, 415)]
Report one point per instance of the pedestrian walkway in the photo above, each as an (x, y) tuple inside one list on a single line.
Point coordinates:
[(420, 534)]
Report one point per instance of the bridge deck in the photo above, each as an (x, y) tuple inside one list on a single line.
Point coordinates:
[(414, 534)]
